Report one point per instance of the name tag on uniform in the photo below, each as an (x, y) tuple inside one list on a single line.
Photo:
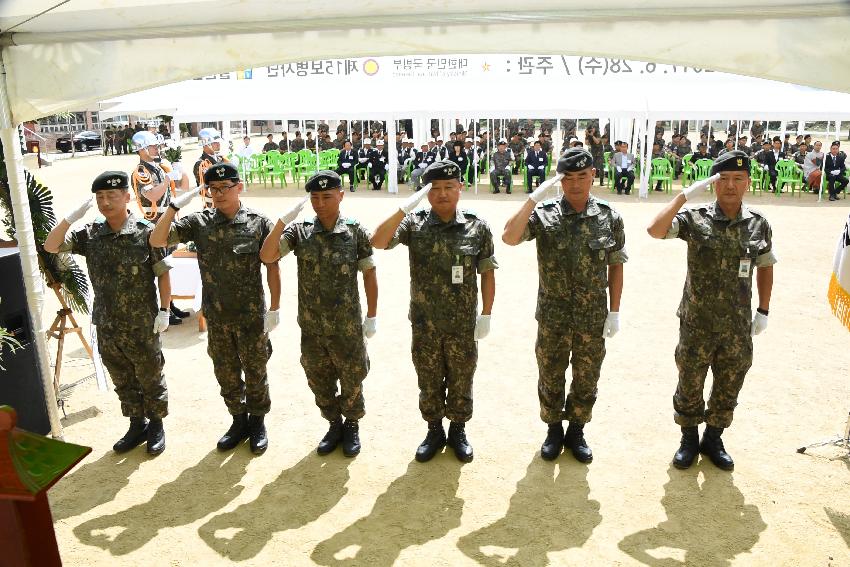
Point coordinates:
[(744, 268), (457, 274)]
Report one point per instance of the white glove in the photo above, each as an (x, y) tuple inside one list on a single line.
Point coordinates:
[(346, 165), (80, 211), (292, 213), (482, 327), (764, 167), (619, 169), (271, 321), (507, 168), (759, 324), (370, 327), (492, 168), (538, 194), (612, 325), (410, 203), (160, 323), (185, 198), (835, 172), (699, 188)]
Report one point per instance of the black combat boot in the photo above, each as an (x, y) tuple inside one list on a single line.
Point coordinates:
[(236, 434), (554, 442), (331, 438), (259, 439), (574, 439), (174, 320), (712, 447), (457, 441), (135, 436), (688, 448), (433, 443), (350, 438), (156, 437), (179, 312)]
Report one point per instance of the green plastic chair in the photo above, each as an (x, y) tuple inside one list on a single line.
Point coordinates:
[(702, 169), (277, 165), (687, 170), (256, 166), (756, 177), (787, 171), (306, 163), (661, 171), (608, 170), (825, 186)]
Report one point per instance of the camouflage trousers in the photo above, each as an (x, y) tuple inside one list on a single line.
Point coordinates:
[(336, 358), (236, 348), (445, 365), (729, 355), (134, 360), (556, 348)]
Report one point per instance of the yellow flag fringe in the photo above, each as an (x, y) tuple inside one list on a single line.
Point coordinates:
[(839, 299)]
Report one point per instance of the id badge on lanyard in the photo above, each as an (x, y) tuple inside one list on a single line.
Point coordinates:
[(457, 271)]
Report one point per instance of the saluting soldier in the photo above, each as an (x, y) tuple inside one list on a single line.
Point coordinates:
[(727, 243), (228, 239), (447, 247), (331, 249), (122, 266), (581, 249)]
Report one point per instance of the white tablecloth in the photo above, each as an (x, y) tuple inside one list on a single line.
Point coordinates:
[(186, 280)]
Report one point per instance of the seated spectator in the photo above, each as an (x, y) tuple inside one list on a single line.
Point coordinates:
[(500, 167), (812, 167), (799, 156), (624, 169), (701, 153), (835, 170), (283, 145), (761, 155), (795, 147), (270, 145), (742, 145), (247, 151), (421, 160), (297, 144), (536, 161), (727, 147)]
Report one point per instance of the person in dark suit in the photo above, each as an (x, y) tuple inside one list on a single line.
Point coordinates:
[(536, 161), (345, 164), (378, 159), (836, 179), (771, 158)]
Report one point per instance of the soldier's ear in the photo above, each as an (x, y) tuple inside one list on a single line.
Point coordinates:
[(126, 196)]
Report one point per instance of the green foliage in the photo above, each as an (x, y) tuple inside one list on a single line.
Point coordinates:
[(55, 268), (173, 154)]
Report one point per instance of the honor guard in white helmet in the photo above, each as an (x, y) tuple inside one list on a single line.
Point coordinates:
[(151, 182), (211, 140)]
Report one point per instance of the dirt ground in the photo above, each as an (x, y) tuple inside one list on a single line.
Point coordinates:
[(195, 506)]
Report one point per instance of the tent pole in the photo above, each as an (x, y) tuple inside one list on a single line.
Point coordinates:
[(33, 282), (392, 156), (823, 165)]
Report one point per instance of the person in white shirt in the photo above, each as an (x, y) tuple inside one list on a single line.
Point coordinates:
[(246, 152), (624, 169), (812, 167)]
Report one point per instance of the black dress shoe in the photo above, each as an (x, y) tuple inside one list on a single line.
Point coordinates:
[(156, 437), (237, 433), (554, 442), (508, 191), (688, 448), (179, 312), (433, 443), (457, 441), (574, 439), (712, 447), (350, 438), (257, 435), (174, 319), (496, 191), (135, 436), (331, 439)]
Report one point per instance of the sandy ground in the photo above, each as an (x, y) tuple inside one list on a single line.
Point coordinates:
[(195, 506)]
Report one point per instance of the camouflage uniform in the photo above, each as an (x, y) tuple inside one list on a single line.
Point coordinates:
[(574, 250), (122, 267), (332, 344), (233, 301), (499, 161), (715, 315), (442, 314)]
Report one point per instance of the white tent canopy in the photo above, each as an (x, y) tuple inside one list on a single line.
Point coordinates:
[(458, 85), (88, 50)]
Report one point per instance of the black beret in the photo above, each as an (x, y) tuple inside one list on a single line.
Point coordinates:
[(736, 160), (441, 170), (323, 180), (574, 159), (221, 172), (110, 180)]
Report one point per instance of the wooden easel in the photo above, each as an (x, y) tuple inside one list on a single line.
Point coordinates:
[(59, 329)]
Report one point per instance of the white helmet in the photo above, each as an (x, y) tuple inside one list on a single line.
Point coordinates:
[(208, 136), (143, 139), (160, 140)]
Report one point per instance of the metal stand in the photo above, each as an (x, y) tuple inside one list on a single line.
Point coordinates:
[(837, 440)]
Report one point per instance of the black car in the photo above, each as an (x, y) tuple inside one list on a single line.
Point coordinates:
[(83, 141)]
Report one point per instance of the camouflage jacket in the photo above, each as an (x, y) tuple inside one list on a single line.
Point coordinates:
[(122, 267), (574, 250), (501, 160), (328, 261), (229, 261), (435, 246), (722, 255)]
